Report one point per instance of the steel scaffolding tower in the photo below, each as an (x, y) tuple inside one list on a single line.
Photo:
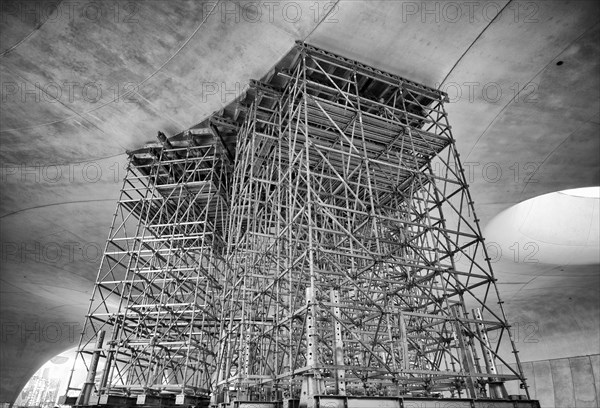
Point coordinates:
[(342, 245), (338, 262), (155, 300)]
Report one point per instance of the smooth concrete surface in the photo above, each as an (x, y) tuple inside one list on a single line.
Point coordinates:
[(79, 88), (559, 228), (561, 383)]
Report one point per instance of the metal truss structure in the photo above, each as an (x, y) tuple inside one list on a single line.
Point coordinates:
[(339, 260), (349, 207), (154, 316)]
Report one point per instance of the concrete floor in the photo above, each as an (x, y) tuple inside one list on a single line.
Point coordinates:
[(82, 82)]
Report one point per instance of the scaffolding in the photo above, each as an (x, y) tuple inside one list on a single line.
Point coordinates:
[(155, 301), (349, 207), (338, 261)]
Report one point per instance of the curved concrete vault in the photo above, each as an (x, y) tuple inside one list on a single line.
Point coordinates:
[(83, 83)]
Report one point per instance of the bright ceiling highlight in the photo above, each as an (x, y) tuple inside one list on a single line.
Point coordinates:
[(560, 228)]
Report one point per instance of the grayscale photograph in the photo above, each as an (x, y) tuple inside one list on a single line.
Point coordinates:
[(299, 204)]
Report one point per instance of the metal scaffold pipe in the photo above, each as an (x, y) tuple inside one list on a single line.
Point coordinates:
[(88, 387)]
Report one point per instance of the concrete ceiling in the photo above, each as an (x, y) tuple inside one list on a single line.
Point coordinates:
[(82, 82)]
